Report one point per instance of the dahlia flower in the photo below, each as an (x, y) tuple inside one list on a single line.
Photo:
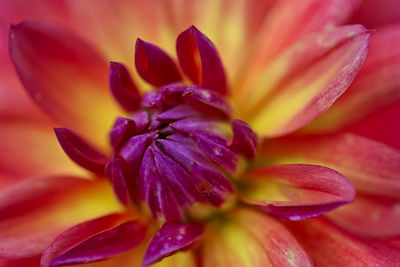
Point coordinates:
[(200, 133)]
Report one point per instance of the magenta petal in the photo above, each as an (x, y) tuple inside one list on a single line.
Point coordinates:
[(132, 151), (193, 46), (123, 129), (115, 172), (244, 139), (171, 238), (297, 191), (155, 191), (81, 244), (216, 149), (123, 88), (172, 94), (176, 113), (213, 185), (141, 119), (154, 65), (152, 100), (189, 125), (206, 101), (79, 151)]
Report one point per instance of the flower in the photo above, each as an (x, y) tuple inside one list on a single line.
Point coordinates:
[(205, 184)]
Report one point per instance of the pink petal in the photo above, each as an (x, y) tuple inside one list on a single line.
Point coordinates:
[(94, 240), (374, 14), (328, 245), (79, 151), (369, 216), (123, 88), (305, 80), (200, 61), (154, 65), (65, 76), (244, 139), (297, 191), (372, 167), (171, 238), (34, 212)]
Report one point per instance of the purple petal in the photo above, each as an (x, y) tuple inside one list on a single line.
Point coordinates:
[(192, 45), (154, 65), (176, 113), (152, 100), (244, 139), (216, 149), (171, 238), (67, 249), (155, 191), (172, 94), (118, 177), (184, 154), (132, 151), (206, 101), (141, 119), (80, 152), (189, 125), (180, 138), (123, 88), (123, 129), (179, 178), (213, 185)]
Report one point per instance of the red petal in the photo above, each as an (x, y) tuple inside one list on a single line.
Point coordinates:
[(123, 88), (154, 65), (373, 13), (297, 191), (65, 76), (94, 240), (80, 151), (372, 167), (200, 61), (171, 238), (328, 245), (34, 212)]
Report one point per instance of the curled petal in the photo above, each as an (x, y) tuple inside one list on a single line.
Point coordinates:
[(171, 238), (117, 173), (206, 101), (216, 148), (133, 150), (141, 119), (154, 65), (200, 61), (249, 238), (65, 76), (94, 240), (171, 94), (79, 151), (123, 88), (53, 204), (191, 125), (244, 139), (176, 113), (297, 191), (123, 129)]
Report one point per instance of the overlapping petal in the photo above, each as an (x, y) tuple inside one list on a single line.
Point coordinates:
[(67, 78), (34, 212), (249, 239), (373, 14), (296, 191), (305, 80)]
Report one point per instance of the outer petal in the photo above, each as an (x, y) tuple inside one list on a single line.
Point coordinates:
[(372, 167), (370, 216), (65, 76), (377, 85), (297, 191), (251, 239), (305, 80), (94, 240), (44, 156), (200, 61), (34, 212), (373, 14), (330, 246)]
